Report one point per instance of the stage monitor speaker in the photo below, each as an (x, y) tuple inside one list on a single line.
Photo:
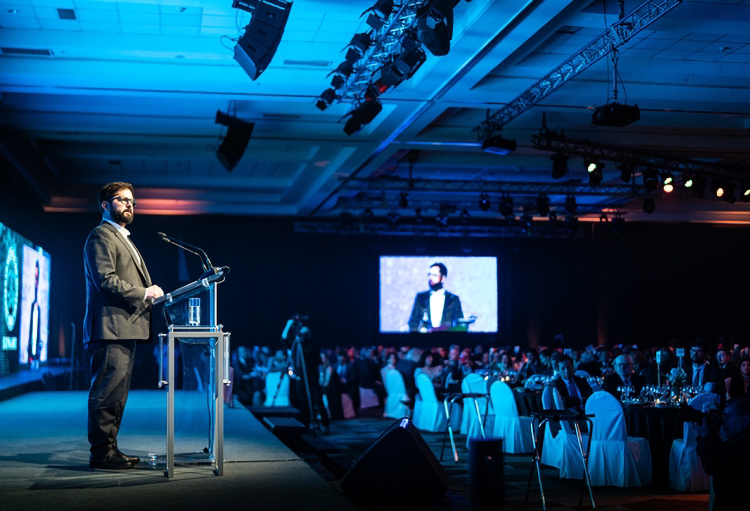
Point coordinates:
[(398, 471), (262, 36), (235, 141)]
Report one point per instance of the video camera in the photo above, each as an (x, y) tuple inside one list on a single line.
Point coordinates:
[(714, 416)]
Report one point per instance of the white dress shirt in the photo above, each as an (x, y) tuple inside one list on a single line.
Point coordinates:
[(437, 304)]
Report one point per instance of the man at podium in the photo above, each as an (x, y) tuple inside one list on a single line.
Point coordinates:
[(119, 293), (437, 307)]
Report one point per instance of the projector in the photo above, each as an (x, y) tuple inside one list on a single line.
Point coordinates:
[(615, 115)]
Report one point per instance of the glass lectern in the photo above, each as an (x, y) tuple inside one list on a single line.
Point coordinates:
[(197, 345)]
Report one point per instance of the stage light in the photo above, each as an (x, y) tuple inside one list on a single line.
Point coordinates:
[(542, 205), (403, 200), (729, 193), (325, 99), (352, 56), (698, 187), (345, 70), (378, 13), (650, 179), (717, 187), (648, 205), (362, 115), (687, 180), (592, 166), (506, 206), (337, 82), (498, 145), (361, 42), (626, 171), (559, 165), (595, 173), (745, 195), (484, 202), (368, 215), (435, 26), (526, 223), (570, 204), (257, 45), (667, 180), (603, 218)]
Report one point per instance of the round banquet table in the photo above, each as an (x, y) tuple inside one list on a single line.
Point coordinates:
[(660, 427)]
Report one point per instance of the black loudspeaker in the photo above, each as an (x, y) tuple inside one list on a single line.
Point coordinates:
[(486, 474), (398, 471), (262, 36), (235, 141)]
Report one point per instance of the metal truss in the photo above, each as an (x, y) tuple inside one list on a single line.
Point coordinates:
[(502, 187), (616, 208), (615, 36), (511, 230), (385, 43), (552, 141)]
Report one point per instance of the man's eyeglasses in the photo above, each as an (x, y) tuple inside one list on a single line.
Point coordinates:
[(125, 201)]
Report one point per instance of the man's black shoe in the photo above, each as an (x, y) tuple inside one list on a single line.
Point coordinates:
[(133, 459), (111, 462)]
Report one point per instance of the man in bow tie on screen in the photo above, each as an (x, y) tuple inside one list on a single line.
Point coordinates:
[(118, 316), (437, 307)]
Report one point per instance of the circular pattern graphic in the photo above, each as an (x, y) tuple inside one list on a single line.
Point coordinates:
[(10, 289)]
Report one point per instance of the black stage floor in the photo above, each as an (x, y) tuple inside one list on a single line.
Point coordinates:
[(44, 462)]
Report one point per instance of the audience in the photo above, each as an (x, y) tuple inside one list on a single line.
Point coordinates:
[(573, 390), (738, 385), (623, 377)]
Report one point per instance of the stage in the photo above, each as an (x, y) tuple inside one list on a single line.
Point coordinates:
[(44, 462)]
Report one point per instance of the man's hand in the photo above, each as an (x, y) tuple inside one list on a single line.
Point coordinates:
[(153, 292)]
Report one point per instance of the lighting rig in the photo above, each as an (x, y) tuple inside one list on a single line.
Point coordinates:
[(390, 53)]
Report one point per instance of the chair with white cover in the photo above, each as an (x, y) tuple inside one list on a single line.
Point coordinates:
[(582, 374), (514, 430), (615, 458), (431, 413), (396, 395), (685, 469), (561, 447), (368, 398), (470, 425), (277, 395)]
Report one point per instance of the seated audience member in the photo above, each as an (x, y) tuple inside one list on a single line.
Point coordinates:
[(573, 390), (452, 373), (346, 379), (726, 461), (726, 367), (532, 364), (644, 368), (738, 385), (406, 367), (327, 382), (589, 364), (465, 363), (604, 360), (366, 369), (427, 365), (699, 372), (502, 364), (545, 362), (279, 362), (623, 376), (242, 363)]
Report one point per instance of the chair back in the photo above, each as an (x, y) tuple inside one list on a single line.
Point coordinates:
[(700, 403), (476, 384), (426, 390), (274, 398), (394, 383), (502, 400), (609, 419)]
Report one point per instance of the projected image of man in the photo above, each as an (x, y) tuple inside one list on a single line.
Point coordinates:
[(437, 307)]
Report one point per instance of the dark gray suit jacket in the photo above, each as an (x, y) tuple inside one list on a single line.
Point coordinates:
[(115, 288)]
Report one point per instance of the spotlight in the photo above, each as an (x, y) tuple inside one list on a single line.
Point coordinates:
[(626, 171), (595, 173), (526, 223), (352, 56), (667, 180), (403, 200), (368, 215), (345, 70), (559, 165), (506, 207), (729, 193), (325, 99), (687, 180), (337, 82), (648, 205), (542, 205), (379, 13), (650, 179), (402, 67), (745, 195), (363, 114), (603, 219), (484, 202), (361, 42), (258, 44), (668, 188), (499, 145), (570, 204), (717, 187), (235, 141), (393, 219), (592, 166), (435, 26), (698, 187)]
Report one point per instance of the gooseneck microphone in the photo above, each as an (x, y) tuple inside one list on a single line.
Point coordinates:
[(205, 261)]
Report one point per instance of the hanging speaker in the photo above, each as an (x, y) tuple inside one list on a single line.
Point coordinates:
[(398, 471), (235, 141), (262, 36)]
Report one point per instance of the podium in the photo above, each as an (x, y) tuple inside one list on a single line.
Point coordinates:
[(199, 340)]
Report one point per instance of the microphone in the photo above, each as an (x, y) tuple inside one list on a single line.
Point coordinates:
[(205, 261)]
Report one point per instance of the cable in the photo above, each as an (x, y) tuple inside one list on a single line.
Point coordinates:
[(221, 41)]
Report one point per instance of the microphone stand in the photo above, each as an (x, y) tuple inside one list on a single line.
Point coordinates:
[(208, 268)]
